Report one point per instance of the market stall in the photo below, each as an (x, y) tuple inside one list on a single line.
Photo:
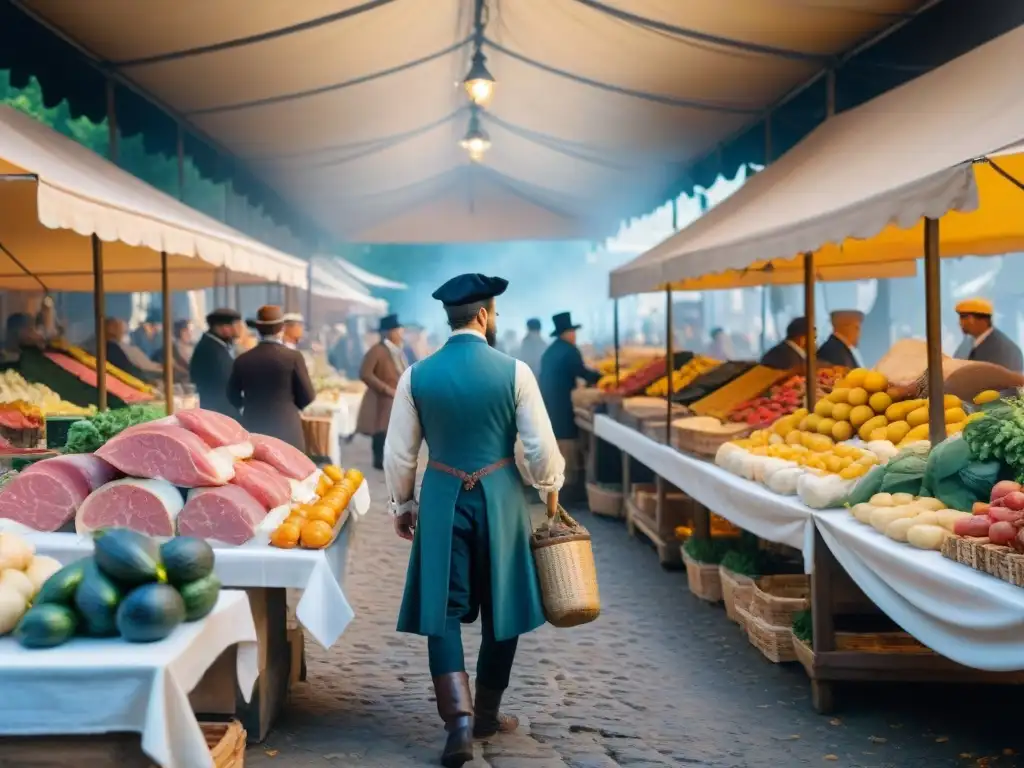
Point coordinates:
[(946, 450)]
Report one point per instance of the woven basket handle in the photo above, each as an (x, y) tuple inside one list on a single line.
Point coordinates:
[(553, 505)]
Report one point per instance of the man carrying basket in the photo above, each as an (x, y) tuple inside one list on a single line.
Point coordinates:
[(470, 529)]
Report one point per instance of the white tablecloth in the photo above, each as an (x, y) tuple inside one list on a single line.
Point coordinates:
[(110, 686), (963, 614), (323, 609), (749, 505)]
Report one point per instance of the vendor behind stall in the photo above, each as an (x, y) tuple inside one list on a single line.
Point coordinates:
[(792, 351), (212, 359), (984, 342), (838, 348), (121, 353)]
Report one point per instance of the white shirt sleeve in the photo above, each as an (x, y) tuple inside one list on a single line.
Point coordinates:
[(402, 449), (543, 466)]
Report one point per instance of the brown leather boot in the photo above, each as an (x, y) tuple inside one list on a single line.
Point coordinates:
[(489, 719), (455, 706)]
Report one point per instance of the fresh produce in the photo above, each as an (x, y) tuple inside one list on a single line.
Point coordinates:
[(40, 570), (1001, 520), (927, 536), (119, 590), (312, 525), (15, 388), (998, 433), (83, 357), (784, 399), (131, 558), (636, 381), (19, 415), (186, 559), (17, 581), (15, 552), (46, 626), (150, 613), (21, 573), (684, 376), (803, 627), (741, 389), (88, 435)]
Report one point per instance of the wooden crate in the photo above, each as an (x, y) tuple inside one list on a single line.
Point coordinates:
[(703, 579), (737, 590)]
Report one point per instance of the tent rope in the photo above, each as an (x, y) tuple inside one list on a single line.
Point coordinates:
[(1004, 173), (23, 268)]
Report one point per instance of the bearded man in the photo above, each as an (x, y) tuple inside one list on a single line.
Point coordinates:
[(470, 528)]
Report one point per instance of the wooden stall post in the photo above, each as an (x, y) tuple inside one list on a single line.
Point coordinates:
[(99, 305), (933, 327), (669, 364), (615, 340), (812, 343), (165, 293), (309, 296)]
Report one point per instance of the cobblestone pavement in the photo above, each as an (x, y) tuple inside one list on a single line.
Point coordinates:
[(659, 680)]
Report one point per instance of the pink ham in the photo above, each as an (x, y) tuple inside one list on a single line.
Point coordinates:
[(167, 452), (228, 514), (287, 460), (146, 506), (46, 496), (217, 430), (271, 489)]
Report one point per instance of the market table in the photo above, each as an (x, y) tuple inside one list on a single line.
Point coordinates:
[(90, 687), (750, 506)]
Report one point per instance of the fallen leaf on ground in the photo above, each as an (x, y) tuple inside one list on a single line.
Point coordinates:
[(831, 757), (877, 740), (271, 753), (835, 721)]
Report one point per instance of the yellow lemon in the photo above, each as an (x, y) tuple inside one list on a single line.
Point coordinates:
[(825, 426), (823, 408), (896, 431), (859, 415), (918, 416), (955, 415), (855, 378), (839, 395), (810, 423), (879, 402), (841, 411), (875, 382), (858, 396), (951, 401), (869, 426), (842, 430)]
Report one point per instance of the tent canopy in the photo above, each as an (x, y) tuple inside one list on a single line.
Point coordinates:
[(55, 194), (856, 190), (354, 109), (332, 285), (364, 277)]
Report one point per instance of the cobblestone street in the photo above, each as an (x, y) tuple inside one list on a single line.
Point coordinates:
[(660, 680)]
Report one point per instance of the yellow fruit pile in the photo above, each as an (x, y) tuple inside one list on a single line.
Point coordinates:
[(698, 366), (811, 450)]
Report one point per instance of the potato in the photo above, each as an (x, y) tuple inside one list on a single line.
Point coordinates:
[(897, 529), (948, 517), (15, 552), (929, 517), (927, 502), (899, 499), (19, 582), (40, 569), (881, 518), (863, 512), (881, 500), (12, 608), (927, 536)]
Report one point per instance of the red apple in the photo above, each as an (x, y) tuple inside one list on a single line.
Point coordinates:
[(1002, 488)]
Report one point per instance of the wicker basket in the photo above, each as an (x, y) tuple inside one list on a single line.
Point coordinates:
[(226, 742), (703, 579), (804, 654), (317, 433), (566, 571), (737, 590), (774, 642), (776, 599), (604, 501), (707, 443)]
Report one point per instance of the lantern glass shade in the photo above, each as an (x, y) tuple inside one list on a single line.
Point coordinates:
[(479, 83)]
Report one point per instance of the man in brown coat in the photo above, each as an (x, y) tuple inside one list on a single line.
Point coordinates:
[(382, 365)]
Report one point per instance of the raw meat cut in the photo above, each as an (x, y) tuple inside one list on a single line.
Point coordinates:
[(46, 495), (218, 430), (271, 489), (167, 452), (84, 373), (227, 514), (146, 506), (287, 460)]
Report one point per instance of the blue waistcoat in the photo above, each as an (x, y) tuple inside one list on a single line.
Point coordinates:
[(465, 396)]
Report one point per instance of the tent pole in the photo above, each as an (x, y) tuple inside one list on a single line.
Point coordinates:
[(165, 292), (99, 318), (933, 327), (811, 372), (669, 363), (238, 297), (615, 334), (765, 289)]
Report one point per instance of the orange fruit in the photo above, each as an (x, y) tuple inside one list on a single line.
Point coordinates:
[(348, 484), (323, 485), (324, 513), (286, 536), (316, 534), (335, 473), (355, 476), (300, 510)]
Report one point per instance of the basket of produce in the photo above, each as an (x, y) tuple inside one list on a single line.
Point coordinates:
[(737, 587), (744, 387), (684, 376), (226, 742), (783, 399), (605, 500), (636, 381), (566, 571), (776, 599), (704, 435), (774, 642), (701, 558)]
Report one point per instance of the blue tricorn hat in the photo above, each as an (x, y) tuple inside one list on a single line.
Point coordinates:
[(563, 323), (469, 289)]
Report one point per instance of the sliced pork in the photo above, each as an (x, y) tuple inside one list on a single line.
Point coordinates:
[(168, 452), (46, 495), (269, 488), (228, 514), (287, 460), (217, 430), (146, 506)]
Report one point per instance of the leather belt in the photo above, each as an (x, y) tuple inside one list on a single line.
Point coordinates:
[(469, 480)]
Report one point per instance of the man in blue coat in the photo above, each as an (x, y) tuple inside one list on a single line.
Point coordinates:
[(470, 528)]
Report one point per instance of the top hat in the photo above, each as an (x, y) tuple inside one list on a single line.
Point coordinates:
[(563, 323), (389, 323)]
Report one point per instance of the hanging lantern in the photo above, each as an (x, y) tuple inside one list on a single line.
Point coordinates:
[(479, 83), (476, 142)]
